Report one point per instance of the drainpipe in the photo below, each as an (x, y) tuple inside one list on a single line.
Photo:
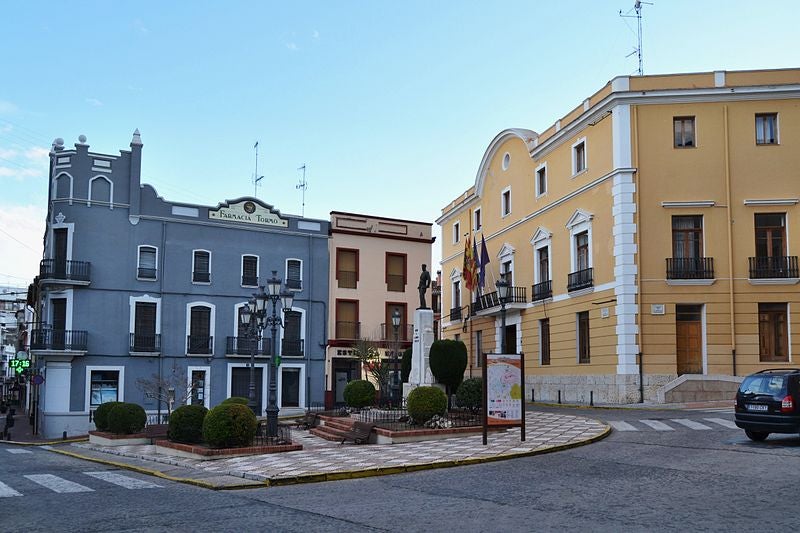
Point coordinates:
[(730, 238), (636, 199)]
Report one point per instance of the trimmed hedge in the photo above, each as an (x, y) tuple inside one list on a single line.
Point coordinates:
[(470, 394), (448, 360), (126, 418), (425, 402), (229, 425), (239, 400), (186, 424), (101, 415), (359, 393)]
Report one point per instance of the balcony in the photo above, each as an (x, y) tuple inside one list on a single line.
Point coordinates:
[(294, 284), (146, 273), (455, 313), (64, 272), (775, 267), (145, 343), (395, 283), (690, 268), (492, 299), (201, 277), (249, 281), (59, 340), (347, 279), (199, 344), (582, 279), (244, 346), (405, 332), (542, 291), (348, 330), (292, 348)]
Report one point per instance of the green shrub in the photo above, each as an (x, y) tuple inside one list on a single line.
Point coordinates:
[(359, 393), (101, 415), (126, 418), (470, 394), (186, 424), (236, 400), (229, 426), (405, 366), (448, 360), (424, 402)]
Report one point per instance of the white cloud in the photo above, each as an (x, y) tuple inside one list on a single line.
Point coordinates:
[(37, 153), (7, 107), (21, 241), (19, 174), (315, 35), (6, 153), (94, 102), (291, 46)]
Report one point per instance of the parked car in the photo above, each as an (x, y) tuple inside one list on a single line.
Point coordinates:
[(769, 402)]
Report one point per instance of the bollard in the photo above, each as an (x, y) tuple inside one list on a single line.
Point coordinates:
[(533, 395), (591, 398), (64, 435), (559, 396)]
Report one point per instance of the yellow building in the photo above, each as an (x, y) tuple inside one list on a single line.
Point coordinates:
[(650, 238)]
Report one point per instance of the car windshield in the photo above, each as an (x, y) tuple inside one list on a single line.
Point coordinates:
[(764, 384)]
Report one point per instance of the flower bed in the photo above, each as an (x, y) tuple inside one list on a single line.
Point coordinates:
[(204, 453)]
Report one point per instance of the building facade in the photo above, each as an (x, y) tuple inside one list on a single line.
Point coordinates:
[(136, 291), (649, 236), (375, 270)]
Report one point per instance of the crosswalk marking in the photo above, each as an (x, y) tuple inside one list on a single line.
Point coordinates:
[(57, 484), (691, 424), (658, 426), (7, 492), (123, 481), (723, 422), (17, 450), (619, 425)]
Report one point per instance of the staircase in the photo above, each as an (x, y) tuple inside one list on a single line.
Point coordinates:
[(333, 428)]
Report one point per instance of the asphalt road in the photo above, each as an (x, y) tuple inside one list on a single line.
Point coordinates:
[(657, 472)]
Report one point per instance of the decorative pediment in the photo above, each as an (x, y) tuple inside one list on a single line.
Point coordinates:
[(506, 251), (455, 275), (526, 136), (579, 217), (249, 211), (541, 234)]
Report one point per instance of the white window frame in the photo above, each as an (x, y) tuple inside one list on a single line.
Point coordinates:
[(110, 200), (477, 219), (139, 260), (144, 299), (574, 153), (209, 267), (506, 255), (777, 130), (302, 328), (70, 227), (302, 389), (540, 193), (265, 369), (71, 185), (241, 269), (456, 232), (211, 327), (286, 272), (505, 207), (455, 277), (542, 239), (206, 385), (64, 294), (87, 405), (579, 222)]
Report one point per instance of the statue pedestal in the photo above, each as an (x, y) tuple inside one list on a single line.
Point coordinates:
[(420, 351)]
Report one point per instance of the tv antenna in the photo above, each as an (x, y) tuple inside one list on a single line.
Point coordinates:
[(303, 185), (637, 7), (256, 178)]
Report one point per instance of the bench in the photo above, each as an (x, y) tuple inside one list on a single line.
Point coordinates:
[(309, 420), (359, 434)]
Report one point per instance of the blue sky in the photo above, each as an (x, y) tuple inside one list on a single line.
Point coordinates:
[(389, 104)]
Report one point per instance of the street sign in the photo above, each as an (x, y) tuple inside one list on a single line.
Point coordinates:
[(38, 379), (22, 356)]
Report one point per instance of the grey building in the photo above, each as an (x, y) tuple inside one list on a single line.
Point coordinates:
[(136, 291)]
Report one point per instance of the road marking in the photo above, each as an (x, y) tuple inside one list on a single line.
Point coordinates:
[(658, 426), (619, 425), (723, 422), (57, 484), (7, 492), (17, 450), (691, 424), (123, 481)]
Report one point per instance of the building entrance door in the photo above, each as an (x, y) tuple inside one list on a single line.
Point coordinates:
[(689, 338), (511, 339)]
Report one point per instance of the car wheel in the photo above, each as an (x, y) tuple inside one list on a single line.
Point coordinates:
[(756, 436)]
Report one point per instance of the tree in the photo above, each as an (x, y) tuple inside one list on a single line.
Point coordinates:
[(448, 360), (366, 351), (170, 389)]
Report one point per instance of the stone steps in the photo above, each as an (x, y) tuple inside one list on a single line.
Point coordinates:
[(333, 429)]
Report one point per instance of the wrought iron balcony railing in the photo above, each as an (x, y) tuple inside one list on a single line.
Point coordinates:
[(492, 299), (690, 268), (200, 276), (199, 344), (64, 270), (58, 339), (146, 273), (405, 332), (245, 345), (542, 290), (145, 343), (581, 279), (346, 279), (455, 313), (295, 284), (395, 283), (250, 281), (292, 348), (348, 330), (774, 267)]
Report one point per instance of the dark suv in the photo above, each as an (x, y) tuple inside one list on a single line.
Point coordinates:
[(769, 402)]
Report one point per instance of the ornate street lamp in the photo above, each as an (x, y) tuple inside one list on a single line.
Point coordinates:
[(396, 318), (503, 290)]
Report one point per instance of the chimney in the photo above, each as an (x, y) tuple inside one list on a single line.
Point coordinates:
[(136, 174)]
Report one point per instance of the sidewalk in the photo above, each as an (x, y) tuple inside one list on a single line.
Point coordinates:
[(322, 460)]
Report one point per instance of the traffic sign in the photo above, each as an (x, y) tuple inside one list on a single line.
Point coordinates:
[(22, 355), (38, 379)]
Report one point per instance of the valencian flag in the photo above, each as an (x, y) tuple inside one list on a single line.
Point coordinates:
[(470, 270), (483, 262)]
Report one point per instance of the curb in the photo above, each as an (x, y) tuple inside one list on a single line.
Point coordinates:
[(44, 443)]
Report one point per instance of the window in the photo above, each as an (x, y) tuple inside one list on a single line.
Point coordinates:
[(104, 387), (507, 272), (456, 300), (770, 234), (767, 128), (541, 180), (100, 190), (456, 232), (198, 381), (292, 343), (477, 222), (773, 332), (505, 202), (544, 341), (145, 338), (395, 272), (148, 257), (347, 268), (249, 270), (582, 251), (579, 157), (683, 128), (543, 264), (63, 186), (687, 237), (347, 325), (200, 339), (583, 337), (290, 387), (201, 266), (294, 274), (478, 348)]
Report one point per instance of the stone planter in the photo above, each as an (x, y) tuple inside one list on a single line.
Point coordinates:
[(103, 438)]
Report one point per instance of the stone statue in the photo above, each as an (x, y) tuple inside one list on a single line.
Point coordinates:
[(424, 284)]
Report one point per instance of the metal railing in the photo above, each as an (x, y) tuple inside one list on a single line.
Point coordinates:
[(395, 283), (455, 313), (292, 348), (542, 290), (58, 339), (690, 268), (199, 344), (250, 281), (292, 283), (492, 299), (348, 330), (581, 279), (64, 270), (396, 418), (774, 267), (145, 343), (146, 273), (284, 435), (200, 276), (245, 345), (346, 279), (405, 332)]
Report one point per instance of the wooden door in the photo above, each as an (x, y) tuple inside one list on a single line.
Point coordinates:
[(689, 339)]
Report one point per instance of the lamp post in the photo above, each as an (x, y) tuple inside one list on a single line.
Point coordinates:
[(258, 310), (502, 291), (396, 381)]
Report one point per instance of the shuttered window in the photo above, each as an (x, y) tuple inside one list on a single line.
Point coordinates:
[(395, 272), (773, 332), (202, 267), (249, 270), (294, 274), (583, 337), (347, 268)]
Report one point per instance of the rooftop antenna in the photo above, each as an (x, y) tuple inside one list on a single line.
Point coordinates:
[(256, 178), (637, 7), (303, 185)]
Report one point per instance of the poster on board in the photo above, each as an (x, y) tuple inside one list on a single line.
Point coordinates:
[(504, 393)]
